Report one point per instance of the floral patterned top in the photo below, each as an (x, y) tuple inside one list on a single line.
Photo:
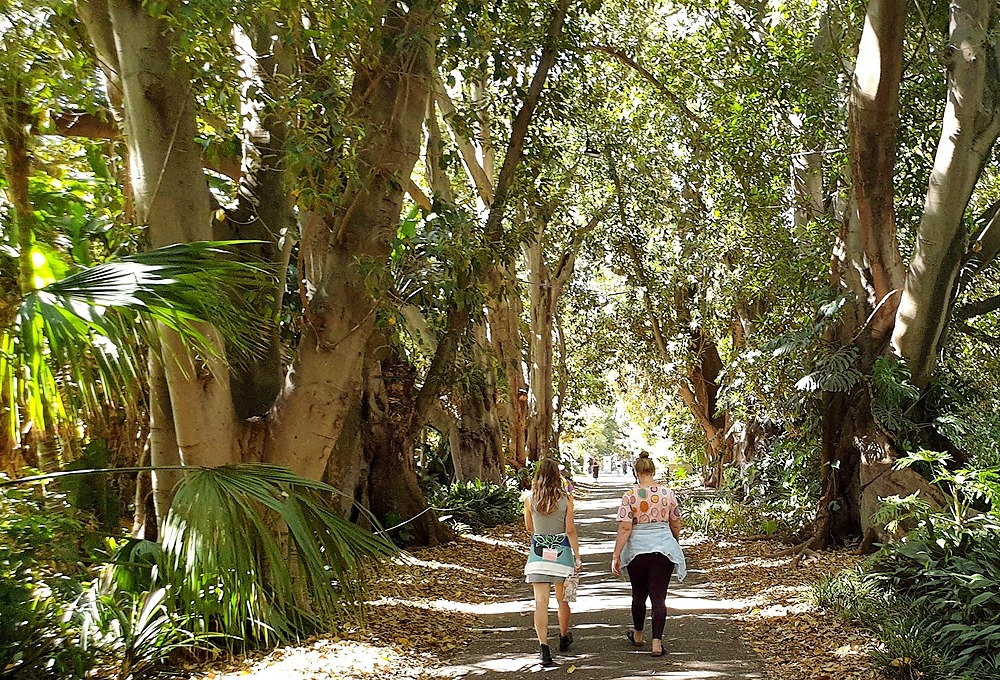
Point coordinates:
[(646, 504)]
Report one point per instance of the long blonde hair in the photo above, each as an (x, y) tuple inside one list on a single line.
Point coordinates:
[(546, 488)]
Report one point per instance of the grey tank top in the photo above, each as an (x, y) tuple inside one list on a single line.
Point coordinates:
[(553, 523)]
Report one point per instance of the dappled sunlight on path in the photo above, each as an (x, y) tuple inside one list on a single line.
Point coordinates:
[(700, 641), (737, 603)]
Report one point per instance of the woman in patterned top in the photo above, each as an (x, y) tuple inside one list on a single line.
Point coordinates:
[(649, 526), (554, 554)]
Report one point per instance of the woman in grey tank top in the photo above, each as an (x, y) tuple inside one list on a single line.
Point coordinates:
[(554, 554)]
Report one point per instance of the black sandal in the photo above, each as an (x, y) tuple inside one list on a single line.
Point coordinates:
[(652, 653), (631, 638)]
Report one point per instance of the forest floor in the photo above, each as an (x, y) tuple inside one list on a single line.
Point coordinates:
[(429, 607)]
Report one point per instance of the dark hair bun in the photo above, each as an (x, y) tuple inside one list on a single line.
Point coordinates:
[(644, 454)]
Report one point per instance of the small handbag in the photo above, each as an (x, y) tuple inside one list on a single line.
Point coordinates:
[(570, 587)]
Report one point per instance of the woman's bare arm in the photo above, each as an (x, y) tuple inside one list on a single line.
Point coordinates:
[(571, 534), (624, 531)]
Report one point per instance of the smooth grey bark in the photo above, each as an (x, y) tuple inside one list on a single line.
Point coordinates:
[(263, 210), (970, 128), (171, 199), (163, 449)]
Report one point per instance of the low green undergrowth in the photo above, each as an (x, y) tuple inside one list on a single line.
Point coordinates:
[(250, 556), (476, 504), (43, 551), (727, 517), (931, 600), (776, 494)]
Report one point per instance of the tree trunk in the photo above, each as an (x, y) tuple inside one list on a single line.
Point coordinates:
[(37, 441), (700, 395), (857, 472), (15, 121), (389, 431), (504, 318), (477, 451), (857, 456), (541, 397), (172, 201), (263, 210), (545, 287), (873, 121), (163, 449), (970, 128), (864, 266), (319, 402), (701, 391)]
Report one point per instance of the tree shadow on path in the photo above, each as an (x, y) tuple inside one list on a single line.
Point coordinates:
[(701, 641)]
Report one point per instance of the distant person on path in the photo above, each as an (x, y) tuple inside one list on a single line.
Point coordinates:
[(554, 554), (595, 467), (649, 527)]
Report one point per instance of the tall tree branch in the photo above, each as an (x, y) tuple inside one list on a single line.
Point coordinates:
[(873, 121), (978, 308), (567, 263), (653, 80), (465, 148), (640, 272), (519, 128), (983, 247), (220, 157)]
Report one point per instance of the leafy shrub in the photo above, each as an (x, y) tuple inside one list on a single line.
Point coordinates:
[(230, 572), (37, 641), (932, 599), (134, 635), (477, 504), (788, 471), (946, 575), (722, 517), (521, 477), (43, 545), (221, 569), (680, 475)]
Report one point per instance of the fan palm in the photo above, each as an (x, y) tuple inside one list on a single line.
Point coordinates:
[(258, 554), (75, 346)]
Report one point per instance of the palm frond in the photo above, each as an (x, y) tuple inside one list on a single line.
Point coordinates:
[(177, 286), (78, 344), (227, 565)]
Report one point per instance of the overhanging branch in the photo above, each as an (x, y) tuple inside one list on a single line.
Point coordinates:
[(978, 308), (645, 73), (974, 332), (220, 158), (519, 128)]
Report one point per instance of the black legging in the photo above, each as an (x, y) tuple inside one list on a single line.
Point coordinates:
[(649, 574)]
